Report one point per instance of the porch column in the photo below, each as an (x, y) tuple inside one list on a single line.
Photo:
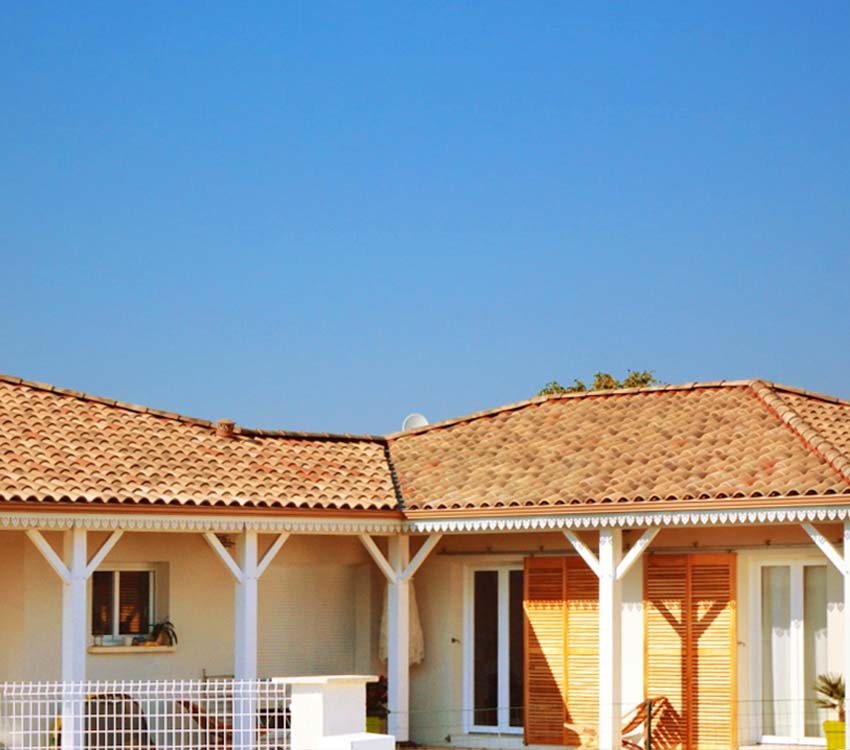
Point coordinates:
[(74, 637), (398, 640), (245, 616), (846, 618), (246, 571), (74, 569), (610, 615)]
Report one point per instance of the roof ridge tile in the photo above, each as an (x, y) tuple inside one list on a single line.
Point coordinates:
[(535, 400), (186, 419), (813, 439)]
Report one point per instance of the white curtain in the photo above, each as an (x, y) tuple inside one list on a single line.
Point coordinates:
[(417, 637), (776, 650), (815, 643)]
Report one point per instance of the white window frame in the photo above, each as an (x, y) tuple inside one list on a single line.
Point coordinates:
[(796, 561), (116, 569), (503, 725)]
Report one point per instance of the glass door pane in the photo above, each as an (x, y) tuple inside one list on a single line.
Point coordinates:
[(814, 643), (776, 649), (486, 651), (517, 649)]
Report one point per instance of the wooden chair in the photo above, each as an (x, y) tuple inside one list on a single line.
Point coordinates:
[(218, 733), (663, 726), (111, 721)]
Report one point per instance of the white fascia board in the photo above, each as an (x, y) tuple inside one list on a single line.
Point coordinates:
[(448, 524)]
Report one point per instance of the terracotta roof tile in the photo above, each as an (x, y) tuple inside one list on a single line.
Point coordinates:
[(829, 416), (711, 441), (57, 445)]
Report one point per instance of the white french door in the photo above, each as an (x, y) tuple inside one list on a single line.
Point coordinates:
[(494, 661), (792, 625)]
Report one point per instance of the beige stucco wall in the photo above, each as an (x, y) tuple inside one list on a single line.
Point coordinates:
[(437, 684), (318, 606), (13, 611)]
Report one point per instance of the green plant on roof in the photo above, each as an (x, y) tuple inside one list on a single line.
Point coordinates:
[(602, 381)]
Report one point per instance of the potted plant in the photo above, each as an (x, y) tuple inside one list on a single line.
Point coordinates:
[(164, 633), (830, 689), (376, 706)]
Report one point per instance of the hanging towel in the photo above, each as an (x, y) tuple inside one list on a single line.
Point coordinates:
[(417, 637)]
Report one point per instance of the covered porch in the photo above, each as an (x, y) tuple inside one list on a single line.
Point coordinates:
[(488, 663)]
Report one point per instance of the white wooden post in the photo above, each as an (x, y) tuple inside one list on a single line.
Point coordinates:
[(398, 640), (245, 630), (74, 638), (610, 615), (846, 616), (610, 568), (246, 571)]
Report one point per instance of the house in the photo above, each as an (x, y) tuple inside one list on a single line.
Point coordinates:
[(572, 556)]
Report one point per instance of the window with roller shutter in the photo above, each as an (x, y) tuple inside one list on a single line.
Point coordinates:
[(122, 602)]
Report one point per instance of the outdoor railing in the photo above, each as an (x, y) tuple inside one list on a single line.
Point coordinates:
[(279, 714), (140, 715)]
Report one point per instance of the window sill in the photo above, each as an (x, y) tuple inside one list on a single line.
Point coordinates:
[(132, 649)]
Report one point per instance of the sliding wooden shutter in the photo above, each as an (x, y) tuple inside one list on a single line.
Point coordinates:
[(665, 617), (582, 626), (545, 635), (561, 649), (691, 649), (713, 667)]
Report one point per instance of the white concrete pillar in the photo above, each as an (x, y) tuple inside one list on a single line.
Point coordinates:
[(610, 613), (245, 615), (326, 707), (846, 622), (398, 641)]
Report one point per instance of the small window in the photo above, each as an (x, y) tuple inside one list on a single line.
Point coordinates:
[(122, 602)]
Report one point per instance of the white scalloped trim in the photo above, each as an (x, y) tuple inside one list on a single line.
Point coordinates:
[(637, 520), (109, 522), (344, 526)]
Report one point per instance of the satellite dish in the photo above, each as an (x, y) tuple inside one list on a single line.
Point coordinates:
[(412, 421)]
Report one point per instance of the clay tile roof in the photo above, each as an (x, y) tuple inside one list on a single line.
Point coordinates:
[(710, 441), (58, 445)]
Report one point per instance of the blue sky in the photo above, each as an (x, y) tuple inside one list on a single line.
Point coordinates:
[(323, 216)]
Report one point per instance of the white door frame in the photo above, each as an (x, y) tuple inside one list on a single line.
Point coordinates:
[(796, 559), (503, 726)]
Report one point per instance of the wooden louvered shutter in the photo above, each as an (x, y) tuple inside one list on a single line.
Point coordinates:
[(545, 690), (712, 668), (582, 639), (561, 650), (665, 630), (691, 649)]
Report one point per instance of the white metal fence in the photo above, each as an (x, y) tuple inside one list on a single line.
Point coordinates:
[(146, 715)]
